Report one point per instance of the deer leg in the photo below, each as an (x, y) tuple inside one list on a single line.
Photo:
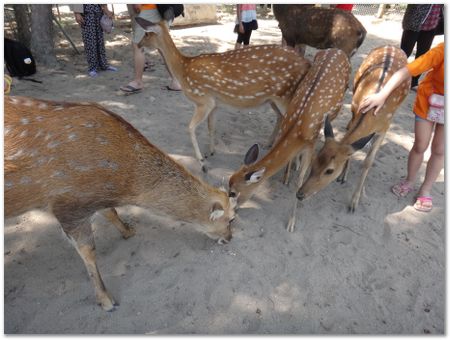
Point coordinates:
[(306, 162), (276, 128), (211, 131), (343, 176), (82, 237), (287, 173), (201, 112), (367, 165), (110, 215)]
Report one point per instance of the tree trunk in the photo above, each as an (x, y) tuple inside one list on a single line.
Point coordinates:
[(42, 44), (23, 24)]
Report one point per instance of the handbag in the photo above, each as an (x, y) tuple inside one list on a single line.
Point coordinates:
[(436, 108), (106, 23)]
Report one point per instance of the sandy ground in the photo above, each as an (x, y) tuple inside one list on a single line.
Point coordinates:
[(379, 271)]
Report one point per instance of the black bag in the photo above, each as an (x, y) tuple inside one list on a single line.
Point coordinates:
[(19, 60), (439, 30), (170, 12)]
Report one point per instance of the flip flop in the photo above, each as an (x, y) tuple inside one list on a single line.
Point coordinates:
[(402, 189), (128, 89), (424, 203)]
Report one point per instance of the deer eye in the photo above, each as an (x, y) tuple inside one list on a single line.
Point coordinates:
[(329, 171)]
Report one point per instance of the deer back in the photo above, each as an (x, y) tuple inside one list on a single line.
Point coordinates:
[(376, 69), (77, 158), (320, 93)]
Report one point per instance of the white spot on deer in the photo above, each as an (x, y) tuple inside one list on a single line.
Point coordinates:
[(16, 155), (25, 121), (72, 137), (58, 108), (8, 184), (106, 164), (58, 174), (25, 180), (42, 106), (102, 140), (53, 144)]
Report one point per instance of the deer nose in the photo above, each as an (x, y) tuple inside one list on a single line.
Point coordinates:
[(300, 195)]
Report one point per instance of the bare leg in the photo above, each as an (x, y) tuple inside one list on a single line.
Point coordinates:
[(110, 214), (83, 239), (436, 161), (423, 131), (367, 165)]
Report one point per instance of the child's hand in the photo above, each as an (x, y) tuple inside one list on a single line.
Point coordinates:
[(375, 100), (241, 28), (79, 19)]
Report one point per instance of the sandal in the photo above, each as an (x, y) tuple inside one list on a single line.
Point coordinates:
[(129, 89), (424, 203), (402, 189)]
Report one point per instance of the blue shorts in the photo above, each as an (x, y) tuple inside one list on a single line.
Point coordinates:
[(420, 119)]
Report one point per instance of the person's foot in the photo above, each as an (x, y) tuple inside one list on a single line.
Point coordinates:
[(93, 74), (132, 87), (424, 203), (111, 68), (402, 189)]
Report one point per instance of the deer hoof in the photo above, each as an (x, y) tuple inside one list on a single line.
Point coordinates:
[(107, 303), (291, 225)]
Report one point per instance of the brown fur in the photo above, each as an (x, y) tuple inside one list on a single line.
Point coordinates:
[(319, 27), (332, 160), (321, 93), (75, 159), (242, 78)]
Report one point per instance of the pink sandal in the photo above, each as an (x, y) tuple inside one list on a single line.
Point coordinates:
[(424, 203), (402, 189)]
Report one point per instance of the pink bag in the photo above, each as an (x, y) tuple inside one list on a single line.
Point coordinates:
[(436, 108)]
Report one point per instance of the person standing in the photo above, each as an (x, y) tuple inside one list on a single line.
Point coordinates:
[(148, 12), (419, 24), (431, 89), (88, 17), (245, 23)]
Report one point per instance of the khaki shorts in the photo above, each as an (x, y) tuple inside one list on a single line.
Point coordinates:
[(150, 15)]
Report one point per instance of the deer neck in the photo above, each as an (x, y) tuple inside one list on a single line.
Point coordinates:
[(175, 60)]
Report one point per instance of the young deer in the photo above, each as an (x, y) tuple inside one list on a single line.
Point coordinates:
[(75, 159), (334, 157), (241, 78), (320, 93)]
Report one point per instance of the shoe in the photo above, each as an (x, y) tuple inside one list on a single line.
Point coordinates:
[(424, 203), (111, 68), (93, 74), (130, 89), (402, 189)]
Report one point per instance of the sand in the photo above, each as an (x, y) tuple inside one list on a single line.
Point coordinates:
[(380, 270)]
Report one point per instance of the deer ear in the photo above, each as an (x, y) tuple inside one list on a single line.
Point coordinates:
[(328, 129), (255, 176), (216, 211), (252, 154), (148, 26), (360, 143)]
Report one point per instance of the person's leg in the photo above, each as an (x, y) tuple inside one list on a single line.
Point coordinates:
[(422, 135), (436, 161), (247, 36), (409, 39), (239, 41), (89, 41), (100, 39)]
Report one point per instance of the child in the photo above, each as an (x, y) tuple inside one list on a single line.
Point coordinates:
[(245, 23), (432, 84)]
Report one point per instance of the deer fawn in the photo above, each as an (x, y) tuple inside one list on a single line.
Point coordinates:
[(319, 27), (334, 157), (319, 94), (241, 78), (75, 159)]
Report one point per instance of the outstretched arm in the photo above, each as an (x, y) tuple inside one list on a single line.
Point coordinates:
[(377, 100)]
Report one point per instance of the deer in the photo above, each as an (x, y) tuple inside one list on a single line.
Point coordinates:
[(319, 94), (243, 78), (319, 27), (74, 159), (333, 159)]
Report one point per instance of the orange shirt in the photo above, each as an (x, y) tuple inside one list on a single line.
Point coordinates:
[(147, 7), (432, 61)]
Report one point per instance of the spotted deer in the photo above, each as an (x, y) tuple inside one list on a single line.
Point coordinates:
[(242, 78), (333, 159), (319, 27), (74, 159), (320, 94)]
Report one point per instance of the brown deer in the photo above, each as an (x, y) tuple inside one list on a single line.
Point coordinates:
[(332, 161), (320, 93), (243, 78), (73, 159), (319, 27)]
